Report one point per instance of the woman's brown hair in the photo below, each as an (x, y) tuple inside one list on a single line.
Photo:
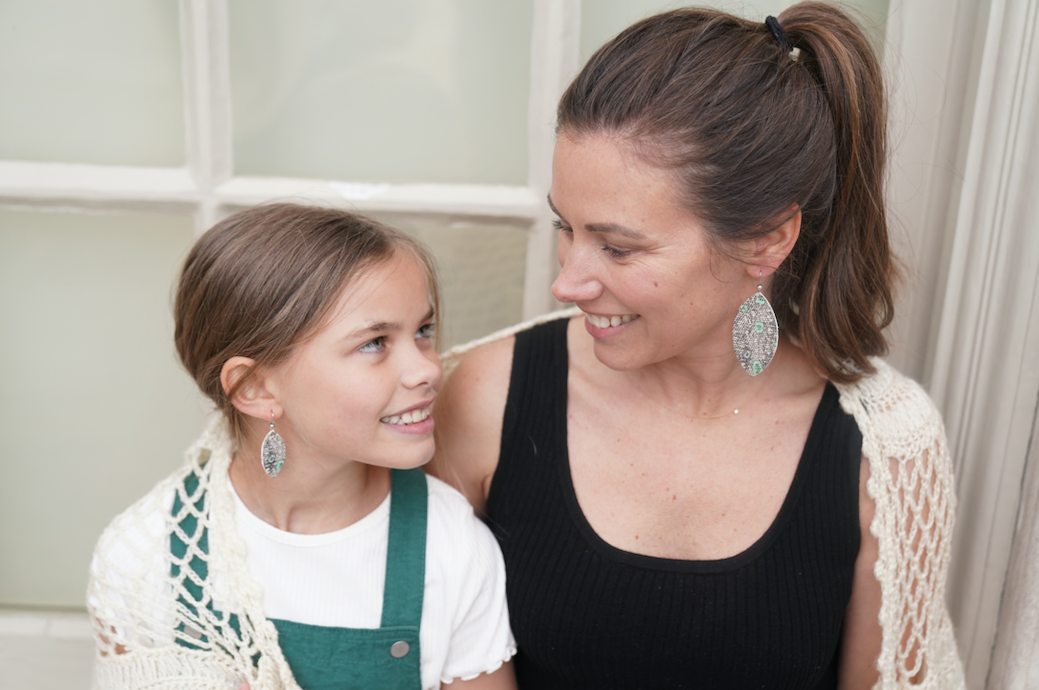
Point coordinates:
[(753, 130), (264, 279)]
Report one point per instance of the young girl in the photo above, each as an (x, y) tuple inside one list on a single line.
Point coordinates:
[(300, 545)]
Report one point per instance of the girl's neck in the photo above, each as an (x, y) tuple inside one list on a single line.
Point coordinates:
[(308, 496)]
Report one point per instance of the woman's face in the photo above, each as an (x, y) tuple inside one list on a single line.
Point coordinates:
[(636, 263)]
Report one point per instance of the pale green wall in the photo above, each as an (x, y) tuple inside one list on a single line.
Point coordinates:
[(93, 407), (603, 19), (91, 82), (402, 91)]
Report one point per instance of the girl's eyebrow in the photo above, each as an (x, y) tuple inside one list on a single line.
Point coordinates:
[(373, 328), (379, 327), (605, 228)]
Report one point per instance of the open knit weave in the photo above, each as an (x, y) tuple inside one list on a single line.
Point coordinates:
[(911, 484), (182, 641)]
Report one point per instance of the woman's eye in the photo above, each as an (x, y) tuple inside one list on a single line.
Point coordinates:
[(559, 227), (375, 345), (615, 252), (427, 331)]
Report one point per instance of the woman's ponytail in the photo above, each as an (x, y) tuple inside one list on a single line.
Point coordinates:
[(845, 297)]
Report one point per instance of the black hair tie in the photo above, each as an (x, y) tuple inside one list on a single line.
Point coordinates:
[(777, 32)]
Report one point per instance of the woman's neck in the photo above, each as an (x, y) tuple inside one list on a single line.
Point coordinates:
[(709, 388), (308, 496)]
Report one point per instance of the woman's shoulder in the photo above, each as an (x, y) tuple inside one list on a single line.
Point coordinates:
[(497, 347), (449, 510), (470, 408), (897, 419), (888, 399)]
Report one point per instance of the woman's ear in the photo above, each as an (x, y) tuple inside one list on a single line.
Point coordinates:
[(250, 397), (769, 251)]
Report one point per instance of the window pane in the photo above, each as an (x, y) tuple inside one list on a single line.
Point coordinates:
[(601, 20), (91, 82), (94, 408), (481, 278), (413, 90)]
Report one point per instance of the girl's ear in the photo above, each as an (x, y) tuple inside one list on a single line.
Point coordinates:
[(252, 398), (769, 251)]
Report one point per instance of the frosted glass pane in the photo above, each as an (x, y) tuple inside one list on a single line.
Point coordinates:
[(411, 90), (601, 20), (481, 272), (93, 407), (91, 82)]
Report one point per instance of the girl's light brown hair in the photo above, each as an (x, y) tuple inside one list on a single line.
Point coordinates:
[(264, 279), (750, 131)]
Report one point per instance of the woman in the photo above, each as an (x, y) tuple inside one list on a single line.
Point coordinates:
[(684, 498)]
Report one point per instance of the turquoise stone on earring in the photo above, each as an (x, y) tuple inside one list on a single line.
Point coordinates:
[(755, 334)]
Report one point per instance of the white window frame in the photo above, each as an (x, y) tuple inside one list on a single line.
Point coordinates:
[(207, 188)]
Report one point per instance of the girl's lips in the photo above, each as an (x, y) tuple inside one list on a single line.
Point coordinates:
[(419, 428)]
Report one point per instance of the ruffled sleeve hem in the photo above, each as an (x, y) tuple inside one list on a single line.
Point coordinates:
[(509, 653)]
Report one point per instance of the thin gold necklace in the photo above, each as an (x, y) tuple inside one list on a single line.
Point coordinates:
[(646, 395)]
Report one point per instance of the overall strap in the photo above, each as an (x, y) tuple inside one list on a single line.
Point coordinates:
[(406, 552)]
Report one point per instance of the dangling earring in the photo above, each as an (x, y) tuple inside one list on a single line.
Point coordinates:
[(272, 452), (755, 333)]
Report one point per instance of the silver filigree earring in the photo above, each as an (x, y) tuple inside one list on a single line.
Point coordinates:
[(755, 333), (272, 452)]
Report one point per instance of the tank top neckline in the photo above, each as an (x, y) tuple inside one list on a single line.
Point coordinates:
[(761, 545)]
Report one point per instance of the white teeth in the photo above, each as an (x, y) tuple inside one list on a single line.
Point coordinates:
[(407, 417), (608, 321)]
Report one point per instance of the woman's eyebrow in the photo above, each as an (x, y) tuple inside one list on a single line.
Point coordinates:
[(611, 228)]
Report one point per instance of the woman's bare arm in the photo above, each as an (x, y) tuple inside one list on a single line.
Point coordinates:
[(861, 638), (468, 415)]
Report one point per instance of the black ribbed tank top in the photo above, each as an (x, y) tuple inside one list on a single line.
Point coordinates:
[(588, 615)]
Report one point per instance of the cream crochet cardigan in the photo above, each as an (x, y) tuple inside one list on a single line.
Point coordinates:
[(174, 641), (911, 482)]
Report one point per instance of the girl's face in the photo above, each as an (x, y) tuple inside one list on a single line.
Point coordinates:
[(360, 389), (635, 262)]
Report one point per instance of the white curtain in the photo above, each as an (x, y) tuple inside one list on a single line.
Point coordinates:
[(964, 184)]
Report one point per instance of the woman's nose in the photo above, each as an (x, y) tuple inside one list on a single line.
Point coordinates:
[(577, 281)]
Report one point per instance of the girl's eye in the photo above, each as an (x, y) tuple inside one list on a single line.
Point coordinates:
[(427, 331), (375, 345), (559, 227)]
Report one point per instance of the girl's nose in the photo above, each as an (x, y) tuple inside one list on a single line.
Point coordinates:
[(423, 367)]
